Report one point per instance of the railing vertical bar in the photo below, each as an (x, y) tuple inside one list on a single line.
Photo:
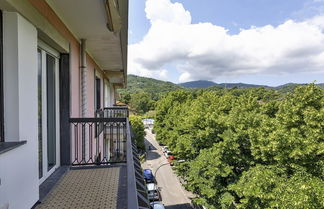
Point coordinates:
[(83, 136), (76, 136), (124, 138), (90, 142), (112, 139), (118, 140), (97, 142), (104, 143)]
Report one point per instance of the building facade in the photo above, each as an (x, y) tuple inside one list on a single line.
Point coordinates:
[(59, 59)]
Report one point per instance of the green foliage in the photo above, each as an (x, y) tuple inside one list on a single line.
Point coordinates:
[(277, 187), (243, 148), (141, 102), (142, 93), (138, 130)]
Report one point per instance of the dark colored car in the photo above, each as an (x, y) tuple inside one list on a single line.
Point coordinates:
[(148, 175)]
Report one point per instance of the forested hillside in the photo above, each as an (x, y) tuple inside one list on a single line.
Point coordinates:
[(151, 86), (249, 149), (208, 84), (198, 84), (142, 93)]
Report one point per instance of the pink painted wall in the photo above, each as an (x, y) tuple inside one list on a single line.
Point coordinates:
[(90, 87), (93, 70), (44, 9)]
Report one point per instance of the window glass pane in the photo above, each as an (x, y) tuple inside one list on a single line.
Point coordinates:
[(1, 85), (98, 93), (51, 111), (40, 115)]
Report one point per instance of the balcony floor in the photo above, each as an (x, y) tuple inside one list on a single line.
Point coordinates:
[(89, 188)]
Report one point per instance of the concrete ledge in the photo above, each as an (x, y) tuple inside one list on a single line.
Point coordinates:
[(7, 146)]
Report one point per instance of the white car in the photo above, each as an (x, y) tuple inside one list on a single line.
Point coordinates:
[(157, 205), (165, 149), (167, 154), (153, 192)]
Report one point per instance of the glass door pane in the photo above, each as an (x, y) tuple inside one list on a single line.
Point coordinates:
[(51, 112), (98, 93), (40, 114)]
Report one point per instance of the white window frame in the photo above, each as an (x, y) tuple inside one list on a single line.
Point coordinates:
[(45, 49)]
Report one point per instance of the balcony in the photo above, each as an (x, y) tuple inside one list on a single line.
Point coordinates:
[(105, 171)]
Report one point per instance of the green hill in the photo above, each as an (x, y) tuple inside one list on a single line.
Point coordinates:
[(142, 93), (156, 87), (209, 84), (151, 86)]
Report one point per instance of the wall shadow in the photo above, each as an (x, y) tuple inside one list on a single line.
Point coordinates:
[(149, 144), (152, 155)]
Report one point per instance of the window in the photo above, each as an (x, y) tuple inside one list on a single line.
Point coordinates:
[(40, 114), (51, 111), (1, 83), (98, 93)]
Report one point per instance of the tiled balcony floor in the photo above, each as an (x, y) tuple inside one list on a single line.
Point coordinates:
[(89, 188)]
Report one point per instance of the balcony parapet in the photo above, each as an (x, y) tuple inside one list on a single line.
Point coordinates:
[(113, 112), (108, 140)]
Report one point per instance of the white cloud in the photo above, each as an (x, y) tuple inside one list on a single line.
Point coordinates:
[(207, 51)]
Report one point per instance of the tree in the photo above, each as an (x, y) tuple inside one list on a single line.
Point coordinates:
[(296, 135), (141, 102), (252, 148), (273, 186), (138, 131)]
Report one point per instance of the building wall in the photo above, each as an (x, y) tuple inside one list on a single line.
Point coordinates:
[(19, 188), (19, 167), (44, 9)]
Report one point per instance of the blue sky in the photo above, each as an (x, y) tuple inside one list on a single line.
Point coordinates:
[(232, 16)]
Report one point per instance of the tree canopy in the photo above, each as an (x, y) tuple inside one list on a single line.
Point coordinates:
[(251, 148), (138, 131)]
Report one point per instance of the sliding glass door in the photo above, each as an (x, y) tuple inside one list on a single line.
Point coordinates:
[(98, 93), (48, 111), (51, 112)]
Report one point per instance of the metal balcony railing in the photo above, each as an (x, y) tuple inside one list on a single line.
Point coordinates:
[(107, 140), (98, 140), (135, 179), (113, 112)]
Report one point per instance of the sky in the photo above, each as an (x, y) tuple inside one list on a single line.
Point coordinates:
[(269, 42)]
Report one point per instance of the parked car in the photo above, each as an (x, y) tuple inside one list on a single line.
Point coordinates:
[(165, 149), (170, 159), (153, 192), (160, 143), (167, 154), (157, 205), (148, 175)]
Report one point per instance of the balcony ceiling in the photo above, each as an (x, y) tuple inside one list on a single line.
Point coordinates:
[(87, 19)]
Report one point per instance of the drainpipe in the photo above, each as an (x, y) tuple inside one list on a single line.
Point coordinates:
[(83, 69)]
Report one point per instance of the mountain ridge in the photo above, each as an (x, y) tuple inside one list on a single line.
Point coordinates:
[(208, 84), (136, 83)]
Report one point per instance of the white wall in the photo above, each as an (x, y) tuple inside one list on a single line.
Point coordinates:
[(19, 167), (107, 94), (112, 95)]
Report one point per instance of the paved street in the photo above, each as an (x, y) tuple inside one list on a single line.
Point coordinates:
[(173, 195)]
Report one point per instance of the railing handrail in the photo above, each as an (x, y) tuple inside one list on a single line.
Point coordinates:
[(116, 107), (132, 183), (96, 120), (132, 201)]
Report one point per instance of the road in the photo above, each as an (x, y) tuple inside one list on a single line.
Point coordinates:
[(173, 194)]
